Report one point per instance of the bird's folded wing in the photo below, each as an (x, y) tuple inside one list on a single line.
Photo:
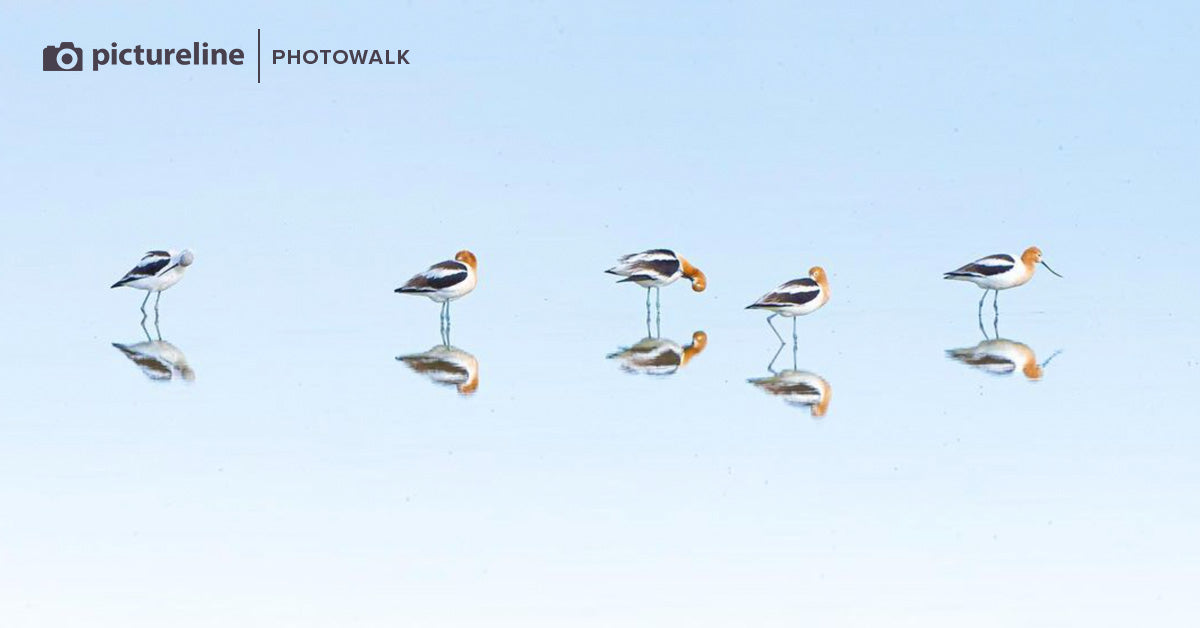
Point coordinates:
[(437, 277), (987, 266), (150, 265), (795, 292), (655, 265)]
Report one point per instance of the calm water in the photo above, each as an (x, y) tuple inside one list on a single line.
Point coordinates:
[(294, 446), (290, 468)]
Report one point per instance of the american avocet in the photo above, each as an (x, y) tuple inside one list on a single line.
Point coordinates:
[(445, 281), (999, 272), (446, 365), (159, 360), (657, 268), (658, 356), (999, 356), (797, 297), (157, 271)]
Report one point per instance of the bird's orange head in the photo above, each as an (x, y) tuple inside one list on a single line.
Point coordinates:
[(818, 275), (466, 257), (699, 281), (1033, 255)]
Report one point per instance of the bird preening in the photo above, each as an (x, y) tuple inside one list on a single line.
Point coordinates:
[(656, 268), (452, 279), (157, 271)]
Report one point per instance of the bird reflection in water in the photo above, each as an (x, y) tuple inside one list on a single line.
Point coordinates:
[(446, 365), (655, 355), (802, 389), (160, 360), (1000, 356)]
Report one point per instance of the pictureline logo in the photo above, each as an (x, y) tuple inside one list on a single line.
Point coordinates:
[(67, 57)]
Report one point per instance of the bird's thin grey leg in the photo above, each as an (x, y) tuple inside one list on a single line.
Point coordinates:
[(776, 331), (647, 301), (157, 298), (144, 302), (658, 308), (793, 333), (981, 300), (996, 309), (794, 356)]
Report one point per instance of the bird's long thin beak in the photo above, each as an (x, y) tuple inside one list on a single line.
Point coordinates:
[(1050, 269)]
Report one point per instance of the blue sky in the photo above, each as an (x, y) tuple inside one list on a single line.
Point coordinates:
[(306, 473)]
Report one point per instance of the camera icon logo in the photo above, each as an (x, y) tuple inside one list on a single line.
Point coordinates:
[(65, 57)]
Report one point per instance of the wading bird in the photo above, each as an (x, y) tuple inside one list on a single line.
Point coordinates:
[(657, 268), (157, 271), (999, 272), (444, 282), (797, 297)]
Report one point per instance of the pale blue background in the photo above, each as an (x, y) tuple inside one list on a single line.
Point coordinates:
[(308, 479)]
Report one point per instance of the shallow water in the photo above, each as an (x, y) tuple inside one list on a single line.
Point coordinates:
[(300, 448), (302, 461)]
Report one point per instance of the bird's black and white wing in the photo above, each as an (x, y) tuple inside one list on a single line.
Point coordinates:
[(652, 265), (794, 292), (153, 263), (437, 277), (985, 266)]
